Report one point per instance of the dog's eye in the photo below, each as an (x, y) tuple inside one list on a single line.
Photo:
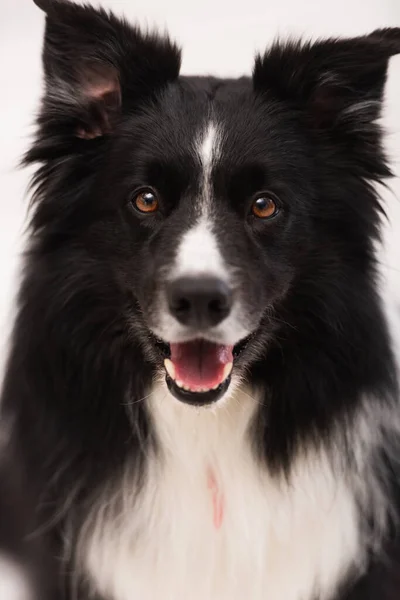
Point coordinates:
[(146, 201), (265, 206)]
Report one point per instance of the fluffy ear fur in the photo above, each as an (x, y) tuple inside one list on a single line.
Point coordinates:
[(338, 82), (97, 66)]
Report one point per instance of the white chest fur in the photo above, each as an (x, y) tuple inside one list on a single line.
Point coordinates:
[(251, 536)]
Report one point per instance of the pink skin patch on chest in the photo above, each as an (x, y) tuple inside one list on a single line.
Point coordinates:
[(217, 499)]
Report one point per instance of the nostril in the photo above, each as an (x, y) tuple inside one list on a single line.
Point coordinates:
[(180, 304), (215, 305), (219, 304), (179, 301)]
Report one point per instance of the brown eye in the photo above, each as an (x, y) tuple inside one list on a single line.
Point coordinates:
[(264, 207), (146, 201)]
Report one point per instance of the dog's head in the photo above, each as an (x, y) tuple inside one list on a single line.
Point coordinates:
[(197, 216)]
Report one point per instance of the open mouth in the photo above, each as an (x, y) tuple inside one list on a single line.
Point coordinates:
[(199, 372)]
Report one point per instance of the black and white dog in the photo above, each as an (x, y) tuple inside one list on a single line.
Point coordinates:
[(202, 388)]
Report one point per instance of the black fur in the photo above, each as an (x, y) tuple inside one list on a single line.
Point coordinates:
[(304, 127)]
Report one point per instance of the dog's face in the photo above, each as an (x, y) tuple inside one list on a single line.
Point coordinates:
[(202, 208), (214, 214)]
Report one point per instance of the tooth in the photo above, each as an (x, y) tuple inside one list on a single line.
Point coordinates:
[(179, 383), (170, 368), (227, 371)]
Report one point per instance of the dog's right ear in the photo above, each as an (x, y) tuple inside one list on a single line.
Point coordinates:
[(97, 66)]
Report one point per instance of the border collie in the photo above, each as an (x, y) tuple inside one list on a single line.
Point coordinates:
[(202, 388)]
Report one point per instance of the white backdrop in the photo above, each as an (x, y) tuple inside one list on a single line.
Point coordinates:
[(218, 37)]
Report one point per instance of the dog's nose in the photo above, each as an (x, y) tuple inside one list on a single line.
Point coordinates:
[(199, 302)]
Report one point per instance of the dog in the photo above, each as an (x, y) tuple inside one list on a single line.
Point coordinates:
[(202, 383)]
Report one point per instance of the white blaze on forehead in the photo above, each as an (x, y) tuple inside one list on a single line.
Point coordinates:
[(208, 146), (198, 251), (207, 149)]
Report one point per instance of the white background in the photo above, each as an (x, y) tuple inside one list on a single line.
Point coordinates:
[(218, 37)]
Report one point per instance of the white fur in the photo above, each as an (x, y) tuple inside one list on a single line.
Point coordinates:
[(13, 584), (207, 149), (198, 252), (284, 540)]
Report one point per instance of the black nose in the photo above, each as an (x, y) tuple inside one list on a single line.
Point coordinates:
[(199, 302)]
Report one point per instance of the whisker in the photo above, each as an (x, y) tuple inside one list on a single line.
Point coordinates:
[(131, 402), (253, 398)]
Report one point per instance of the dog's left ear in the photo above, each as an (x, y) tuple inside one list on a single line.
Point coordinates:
[(336, 82)]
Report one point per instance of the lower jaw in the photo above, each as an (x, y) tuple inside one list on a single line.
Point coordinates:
[(198, 398)]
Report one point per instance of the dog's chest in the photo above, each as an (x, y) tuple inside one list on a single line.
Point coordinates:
[(210, 523)]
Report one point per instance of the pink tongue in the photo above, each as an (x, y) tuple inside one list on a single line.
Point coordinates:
[(200, 364)]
